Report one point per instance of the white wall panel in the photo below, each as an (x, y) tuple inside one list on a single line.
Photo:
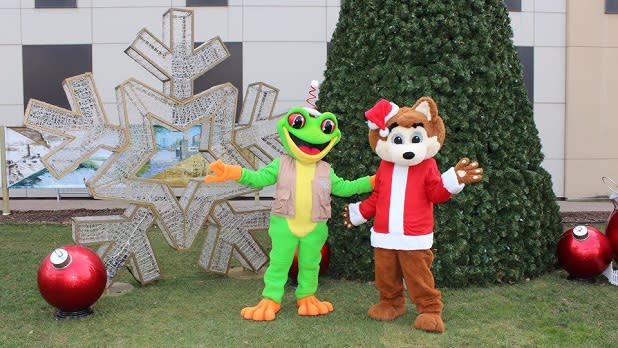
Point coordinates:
[(550, 121), (10, 4), (290, 67), (332, 17), (550, 29), (131, 3), (285, 3), (10, 26), (121, 25), (556, 169), (210, 22), (549, 74), (284, 24), (56, 26), (235, 24), (550, 6), (12, 115), (11, 86), (522, 24)]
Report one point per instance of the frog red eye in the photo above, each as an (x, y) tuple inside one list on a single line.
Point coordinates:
[(296, 120), (328, 126)]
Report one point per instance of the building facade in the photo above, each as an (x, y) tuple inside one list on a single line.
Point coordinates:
[(566, 47)]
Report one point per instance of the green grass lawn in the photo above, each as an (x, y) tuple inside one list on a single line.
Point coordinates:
[(188, 307)]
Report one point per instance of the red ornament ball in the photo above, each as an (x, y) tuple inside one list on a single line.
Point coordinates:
[(325, 251), (611, 232), (72, 278), (584, 251)]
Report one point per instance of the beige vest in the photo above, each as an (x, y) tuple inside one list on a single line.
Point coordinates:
[(285, 194)]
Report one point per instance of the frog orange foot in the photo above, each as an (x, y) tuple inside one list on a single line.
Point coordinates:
[(310, 305), (264, 310)]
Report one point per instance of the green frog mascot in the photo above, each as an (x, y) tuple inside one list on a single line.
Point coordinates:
[(300, 208)]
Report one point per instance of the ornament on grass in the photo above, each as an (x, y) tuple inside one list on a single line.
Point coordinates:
[(324, 262), (72, 278), (584, 252)]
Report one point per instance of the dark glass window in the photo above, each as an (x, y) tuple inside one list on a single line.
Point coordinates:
[(526, 56), (55, 3), (513, 5), (229, 70), (46, 66), (197, 3), (611, 6)]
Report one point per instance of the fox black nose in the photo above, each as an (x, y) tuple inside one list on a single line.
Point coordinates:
[(408, 155)]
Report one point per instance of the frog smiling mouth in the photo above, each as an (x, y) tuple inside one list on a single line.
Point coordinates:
[(306, 147)]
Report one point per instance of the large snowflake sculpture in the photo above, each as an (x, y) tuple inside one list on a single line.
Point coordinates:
[(250, 142)]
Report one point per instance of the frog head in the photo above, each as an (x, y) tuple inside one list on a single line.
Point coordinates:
[(307, 134)]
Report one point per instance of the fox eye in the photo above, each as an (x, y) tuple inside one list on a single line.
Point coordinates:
[(417, 138), (397, 139)]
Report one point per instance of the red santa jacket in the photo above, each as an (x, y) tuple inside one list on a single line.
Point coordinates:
[(402, 204)]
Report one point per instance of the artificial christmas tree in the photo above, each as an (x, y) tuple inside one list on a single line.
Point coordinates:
[(460, 53)]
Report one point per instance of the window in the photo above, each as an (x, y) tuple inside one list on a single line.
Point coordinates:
[(229, 70), (513, 5), (55, 4), (46, 66), (197, 3), (526, 56), (611, 6)]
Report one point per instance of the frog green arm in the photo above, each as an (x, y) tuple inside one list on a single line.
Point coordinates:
[(346, 188), (265, 176)]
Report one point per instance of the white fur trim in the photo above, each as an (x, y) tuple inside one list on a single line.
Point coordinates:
[(451, 184), (397, 202), (356, 218), (394, 111), (372, 125), (384, 132), (401, 241), (315, 83), (424, 109), (313, 112)]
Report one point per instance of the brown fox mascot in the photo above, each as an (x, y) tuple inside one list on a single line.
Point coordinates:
[(407, 185)]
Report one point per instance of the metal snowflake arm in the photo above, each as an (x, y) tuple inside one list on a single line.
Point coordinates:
[(173, 59), (256, 127), (84, 128), (121, 238), (229, 232)]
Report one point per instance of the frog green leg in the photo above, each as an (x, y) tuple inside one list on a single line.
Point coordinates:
[(309, 257), (284, 244)]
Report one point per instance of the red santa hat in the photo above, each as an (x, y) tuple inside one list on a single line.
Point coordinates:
[(379, 114)]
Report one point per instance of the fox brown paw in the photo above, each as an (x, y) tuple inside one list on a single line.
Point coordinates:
[(468, 172), (385, 311), (430, 322), (346, 217)]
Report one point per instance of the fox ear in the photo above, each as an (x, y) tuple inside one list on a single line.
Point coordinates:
[(427, 107)]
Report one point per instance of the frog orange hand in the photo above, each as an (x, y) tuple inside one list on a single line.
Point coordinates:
[(468, 172), (223, 172)]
